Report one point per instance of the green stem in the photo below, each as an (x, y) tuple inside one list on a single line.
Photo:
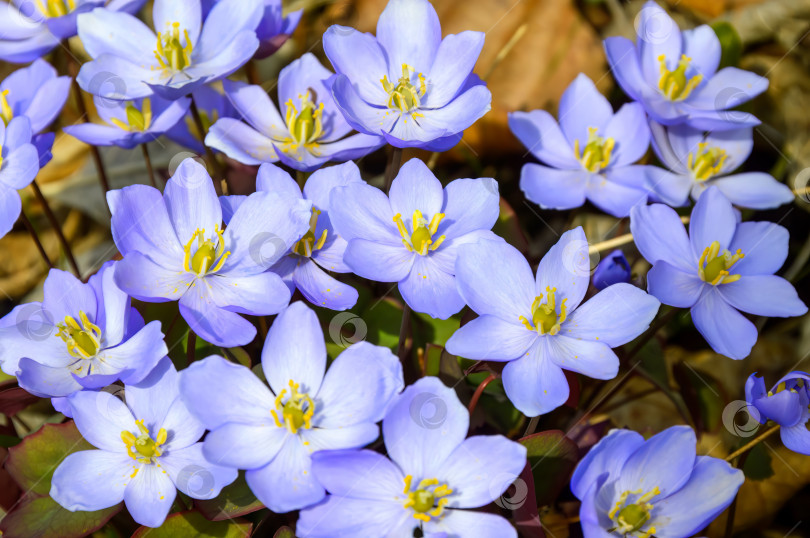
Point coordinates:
[(56, 228), (149, 169)]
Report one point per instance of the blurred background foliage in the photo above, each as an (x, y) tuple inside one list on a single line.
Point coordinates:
[(533, 50)]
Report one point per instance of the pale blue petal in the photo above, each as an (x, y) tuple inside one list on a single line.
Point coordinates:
[(702, 45), (539, 132), (244, 446), (91, 480), (286, 483), (101, 417), (257, 295), (553, 189), (378, 261), (533, 383), (321, 289), (566, 268), (763, 295), (149, 495), (361, 211), (659, 234), (582, 107), (629, 128), (469, 205), (455, 60), (470, 524), (644, 471), (194, 475), (726, 330), (430, 290), (212, 323), (756, 190), (765, 246), (191, 201), (416, 189), (359, 57), (410, 33), (606, 456), (491, 338), (673, 286), (587, 357)]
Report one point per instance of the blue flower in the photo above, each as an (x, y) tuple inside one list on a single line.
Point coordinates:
[(311, 133), (31, 29), (590, 153), (130, 123), (412, 236), (537, 325), (697, 159), (175, 248), (636, 488), (433, 477), (212, 105), (408, 84), (274, 432), (130, 61), (147, 450), (674, 74), (320, 247), (722, 266), (274, 29), (19, 164), (786, 404), (611, 270), (81, 336)]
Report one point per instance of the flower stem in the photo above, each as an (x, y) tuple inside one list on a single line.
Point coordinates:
[(391, 171), (190, 347), (732, 510), (149, 169), (618, 241), (35, 237), (209, 154), (404, 330), (56, 228), (754, 442), (479, 391)]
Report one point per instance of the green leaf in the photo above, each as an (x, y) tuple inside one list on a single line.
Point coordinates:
[(731, 44), (32, 462), (428, 330), (284, 532), (9, 440), (43, 518), (758, 463), (233, 501), (194, 524), (552, 456)]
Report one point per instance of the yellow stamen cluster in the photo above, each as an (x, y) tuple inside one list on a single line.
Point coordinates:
[(420, 239), (305, 127), (713, 265), (630, 518), (297, 411), (209, 257), (170, 51), (596, 154), (708, 162), (56, 8), (545, 319), (143, 448), (83, 341), (137, 120), (404, 96), (674, 84), (428, 499), (5, 109), (309, 243)]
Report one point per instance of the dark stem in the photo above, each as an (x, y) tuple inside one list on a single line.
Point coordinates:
[(35, 237), (149, 169), (404, 330), (392, 169), (192, 343), (209, 154), (753, 443), (479, 391), (252, 72), (56, 228), (732, 510)]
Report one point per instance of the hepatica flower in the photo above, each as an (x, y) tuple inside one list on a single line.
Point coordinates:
[(31, 28), (721, 268), (147, 449), (212, 105), (312, 132), (786, 404), (274, 432), (659, 487), (274, 29), (408, 84), (320, 248), (434, 475), (19, 164), (537, 325), (412, 236), (175, 249), (130, 61), (674, 74), (613, 269), (130, 123), (696, 160), (80, 336), (590, 153)]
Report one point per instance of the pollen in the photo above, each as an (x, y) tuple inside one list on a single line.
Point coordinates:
[(143, 448), (706, 162), (419, 238), (309, 243), (137, 120), (428, 500), (595, 156), (209, 255), (56, 8), (631, 517), (407, 93), (83, 340), (713, 265), (305, 126), (6, 114), (296, 412), (674, 84), (545, 318), (170, 52)]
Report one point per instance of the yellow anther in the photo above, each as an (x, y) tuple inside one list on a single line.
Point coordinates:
[(713, 265), (207, 122), (6, 114), (83, 340), (137, 120), (309, 243), (674, 84), (545, 318), (596, 154), (297, 411), (420, 238), (404, 96), (170, 52), (631, 517), (143, 448), (209, 257), (305, 127), (707, 163), (427, 500), (56, 8)]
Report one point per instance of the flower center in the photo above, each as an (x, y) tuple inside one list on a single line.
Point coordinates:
[(630, 518), (707, 163), (308, 243), (170, 51), (209, 256), (404, 95), (137, 120), (143, 448), (428, 499), (420, 239), (296, 412), (56, 8), (674, 84), (596, 154), (5, 109), (83, 341), (306, 126), (545, 319), (713, 265)]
